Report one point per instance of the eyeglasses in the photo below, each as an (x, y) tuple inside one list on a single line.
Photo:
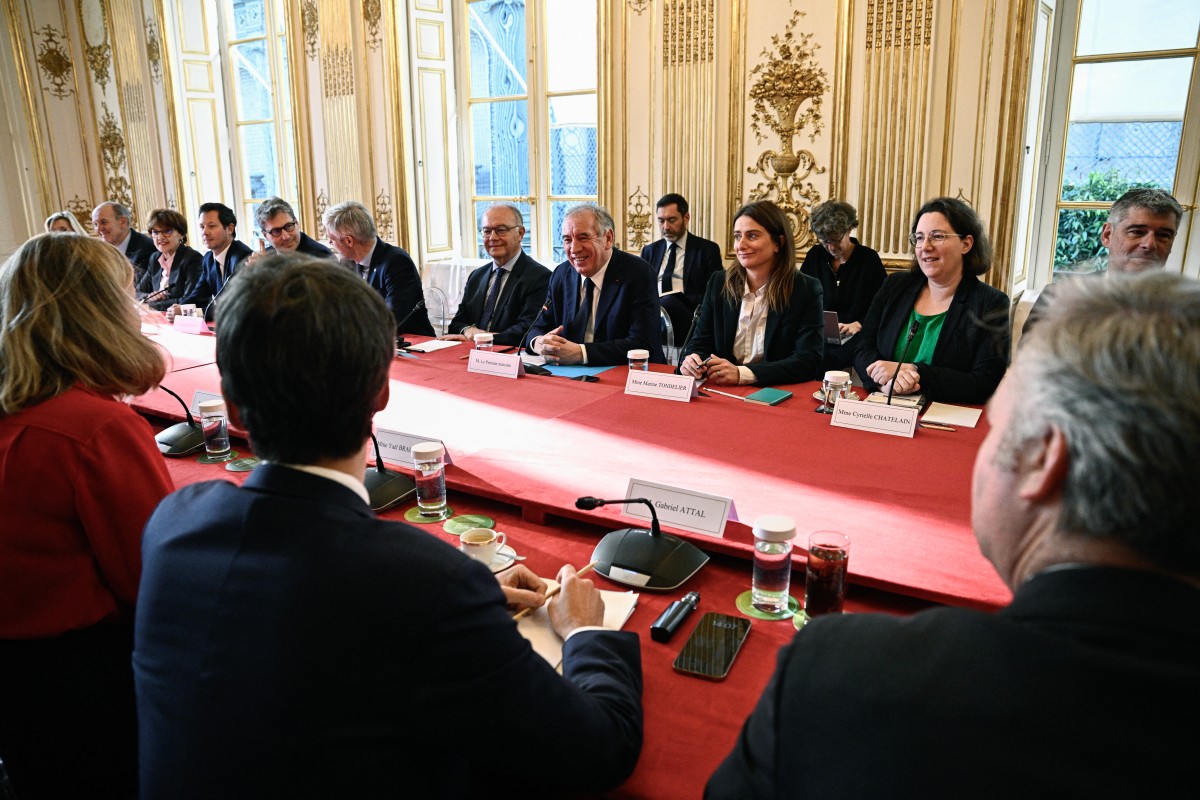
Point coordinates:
[(165, 232), (834, 241), (499, 230), (935, 238), (582, 238), (273, 232)]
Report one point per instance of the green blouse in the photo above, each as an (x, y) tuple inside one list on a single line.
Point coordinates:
[(929, 328)]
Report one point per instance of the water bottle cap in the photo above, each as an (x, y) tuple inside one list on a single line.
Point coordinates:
[(775, 528), (837, 376), (638, 355), (428, 450), (215, 406)]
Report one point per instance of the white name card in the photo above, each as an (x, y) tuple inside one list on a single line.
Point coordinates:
[(396, 446), (190, 324), (200, 396), (662, 385), (489, 362), (876, 418), (681, 508)]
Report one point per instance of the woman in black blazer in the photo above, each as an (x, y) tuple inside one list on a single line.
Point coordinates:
[(173, 272), (959, 348), (761, 321)]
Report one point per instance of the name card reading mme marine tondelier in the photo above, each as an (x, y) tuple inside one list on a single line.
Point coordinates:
[(489, 362), (874, 417), (662, 385), (682, 508), (396, 446)]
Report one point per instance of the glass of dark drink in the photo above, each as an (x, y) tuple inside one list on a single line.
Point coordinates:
[(825, 578)]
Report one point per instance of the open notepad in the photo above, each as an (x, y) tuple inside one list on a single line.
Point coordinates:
[(549, 645)]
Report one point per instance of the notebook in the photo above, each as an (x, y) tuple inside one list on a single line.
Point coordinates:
[(832, 336)]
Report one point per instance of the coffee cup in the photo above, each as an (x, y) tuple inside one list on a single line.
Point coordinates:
[(481, 544)]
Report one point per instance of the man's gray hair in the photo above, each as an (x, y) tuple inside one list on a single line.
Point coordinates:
[(1114, 365), (350, 218), (1156, 201), (118, 209), (511, 208), (269, 208), (832, 220), (598, 213)]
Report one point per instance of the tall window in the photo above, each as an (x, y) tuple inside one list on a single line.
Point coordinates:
[(261, 113), (532, 111), (1131, 119)]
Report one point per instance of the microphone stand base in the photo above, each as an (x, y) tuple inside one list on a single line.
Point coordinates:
[(658, 562), (387, 488)]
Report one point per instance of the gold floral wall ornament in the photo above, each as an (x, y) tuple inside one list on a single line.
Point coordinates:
[(383, 215), (322, 204), (639, 215), (99, 59), (112, 141), (55, 62), (82, 211), (310, 23), (787, 90), (371, 15), (153, 50), (119, 191), (638, 6)]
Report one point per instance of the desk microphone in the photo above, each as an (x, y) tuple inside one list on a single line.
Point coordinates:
[(912, 331), (181, 438), (385, 488), (691, 329), (535, 369), (158, 294), (648, 559), (401, 342)]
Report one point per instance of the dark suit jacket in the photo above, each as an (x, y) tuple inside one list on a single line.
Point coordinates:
[(211, 283), (972, 351), (394, 275), (951, 703), (700, 261), (185, 271), (140, 251), (626, 315), (291, 644), (794, 338), (309, 246), (520, 300), (849, 292)]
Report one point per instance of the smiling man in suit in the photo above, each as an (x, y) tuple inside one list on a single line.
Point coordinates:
[(602, 302), (388, 269), (682, 261), (502, 297), (112, 223), (218, 231)]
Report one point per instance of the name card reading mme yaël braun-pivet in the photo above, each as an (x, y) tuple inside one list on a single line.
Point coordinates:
[(489, 362), (682, 508), (200, 396), (874, 417), (662, 385), (396, 446)]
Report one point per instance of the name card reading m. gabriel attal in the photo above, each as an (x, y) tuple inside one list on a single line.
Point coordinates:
[(489, 362), (874, 417), (662, 385), (396, 446), (685, 509)]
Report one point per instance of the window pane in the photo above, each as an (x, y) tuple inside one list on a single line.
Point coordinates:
[(248, 18), (1125, 125), (497, 41), (573, 145), (571, 36), (500, 139), (1077, 248), (258, 160), (1118, 26), (253, 81), (558, 210), (481, 206)]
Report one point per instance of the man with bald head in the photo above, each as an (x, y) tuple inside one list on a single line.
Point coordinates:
[(113, 225)]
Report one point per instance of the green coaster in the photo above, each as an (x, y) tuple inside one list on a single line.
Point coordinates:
[(464, 522), (744, 606), (800, 620), (414, 515), (207, 459), (243, 464)]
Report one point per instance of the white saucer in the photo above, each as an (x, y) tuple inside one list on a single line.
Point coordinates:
[(504, 558)]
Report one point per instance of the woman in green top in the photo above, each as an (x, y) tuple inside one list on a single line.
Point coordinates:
[(960, 335)]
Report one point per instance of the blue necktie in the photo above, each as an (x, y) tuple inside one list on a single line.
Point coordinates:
[(579, 323), (489, 305)]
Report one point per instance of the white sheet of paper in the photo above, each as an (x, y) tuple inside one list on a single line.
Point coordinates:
[(946, 414), (547, 644), (432, 346)]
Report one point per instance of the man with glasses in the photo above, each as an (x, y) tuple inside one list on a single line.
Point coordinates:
[(111, 221), (277, 222), (502, 297), (602, 302), (683, 262)]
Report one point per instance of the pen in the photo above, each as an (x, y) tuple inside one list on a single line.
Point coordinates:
[(525, 612), (937, 426), (723, 394)]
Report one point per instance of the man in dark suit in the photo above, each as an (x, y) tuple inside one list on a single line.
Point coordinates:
[(683, 263), (218, 231), (289, 643), (113, 224), (387, 268), (1084, 501), (602, 302), (502, 297), (277, 223)]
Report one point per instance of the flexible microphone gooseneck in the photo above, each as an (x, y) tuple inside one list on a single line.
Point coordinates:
[(157, 294), (401, 342), (590, 503), (534, 369), (912, 331), (183, 437), (691, 330)]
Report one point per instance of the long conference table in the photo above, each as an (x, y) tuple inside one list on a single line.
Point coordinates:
[(523, 450)]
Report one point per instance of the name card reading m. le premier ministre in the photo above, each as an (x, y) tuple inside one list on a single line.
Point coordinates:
[(685, 509), (875, 417), (396, 446), (489, 362), (662, 385)]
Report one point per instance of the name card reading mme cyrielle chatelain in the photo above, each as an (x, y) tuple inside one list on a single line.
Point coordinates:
[(662, 385), (489, 362), (397, 446), (876, 418), (681, 508)]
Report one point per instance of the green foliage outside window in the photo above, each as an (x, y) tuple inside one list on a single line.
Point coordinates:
[(1078, 248)]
